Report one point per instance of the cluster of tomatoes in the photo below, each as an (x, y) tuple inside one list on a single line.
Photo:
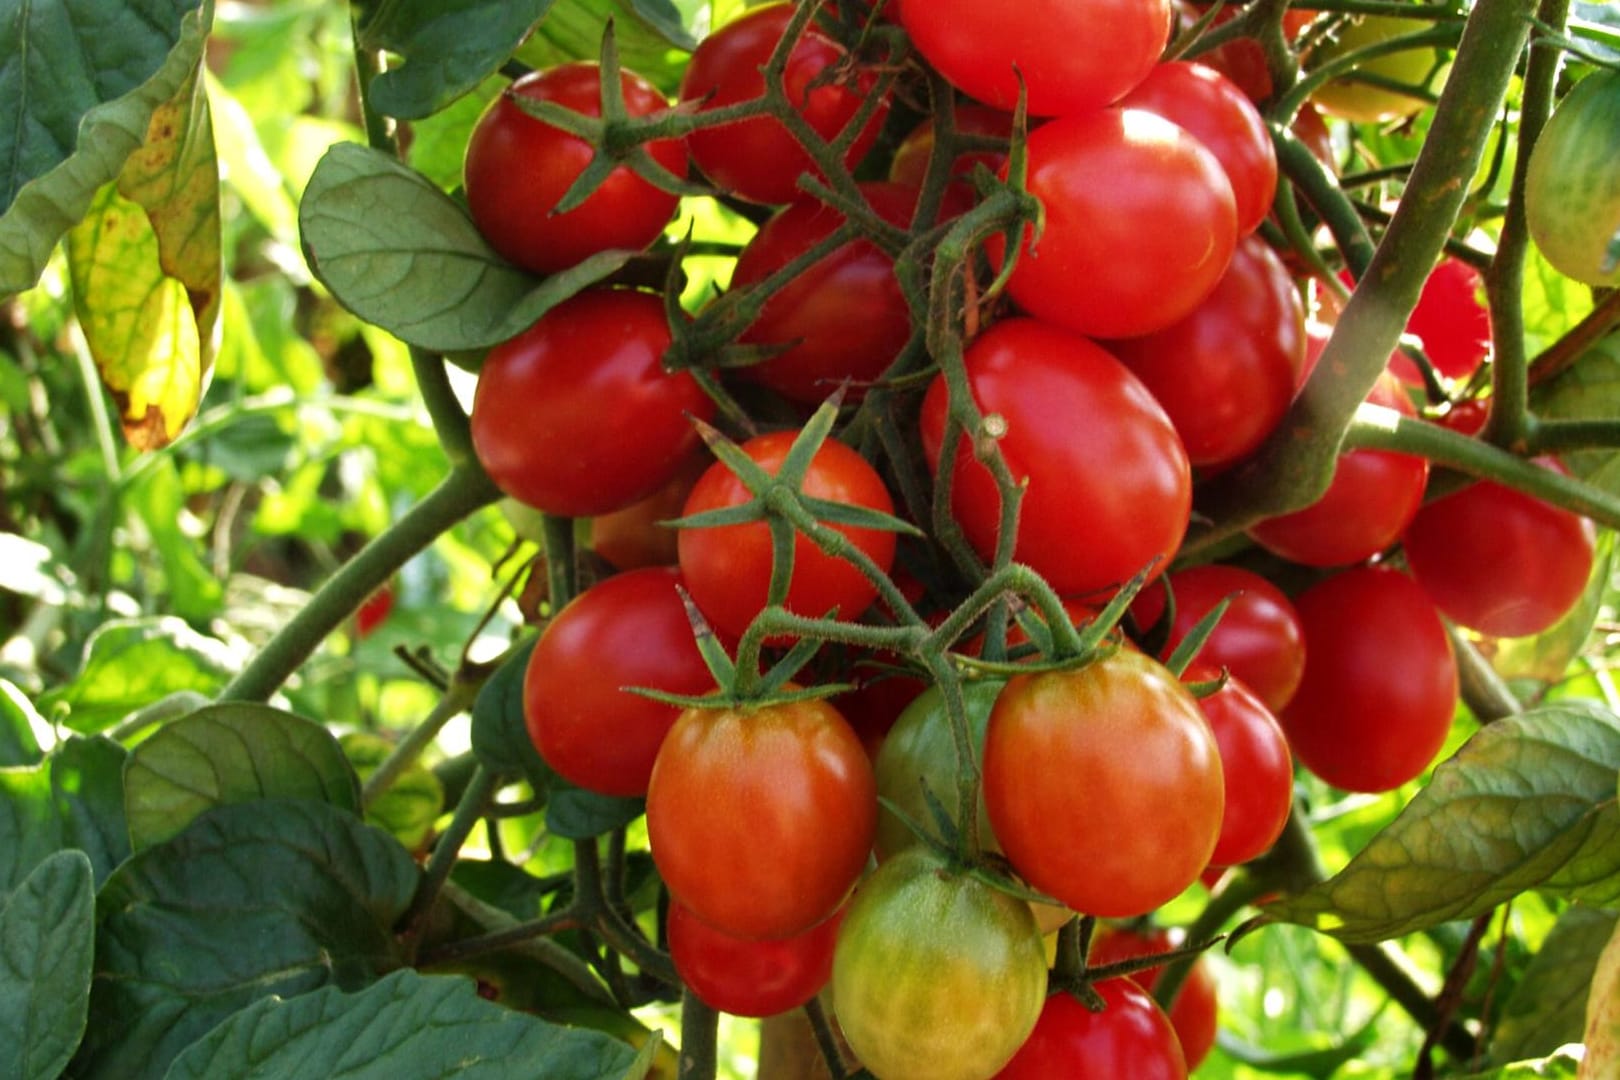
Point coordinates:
[(1147, 336)]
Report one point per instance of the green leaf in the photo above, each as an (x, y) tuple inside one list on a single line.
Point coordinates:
[(18, 722), (1588, 390), (412, 803), (448, 47), (231, 753), (651, 38), (577, 814), (72, 799), (81, 80), (130, 663), (405, 1027), (47, 936), (1547, 1006), (269, 897), (500, 738), (403, 255), (146, 269), (1603, 1014), (1561, 1066), (438, 144), (1527, 802), (194, 592)]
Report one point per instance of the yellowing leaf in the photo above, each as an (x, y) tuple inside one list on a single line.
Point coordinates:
[(146, 271), (1602, 1060)]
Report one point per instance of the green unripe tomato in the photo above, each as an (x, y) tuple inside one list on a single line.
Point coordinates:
[(936, 975), (920, 751), (1359, 96), (1572, 187)]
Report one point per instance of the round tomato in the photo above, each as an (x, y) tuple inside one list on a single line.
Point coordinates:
[(1195, 1012), (909, 166), (989, 51), (1103, 784), (1499, 561), (919, 752), (1226, 373), (760, 820), (576, 416), (759, 159), (936, 975), (1453, 322), (636, 536), (1140, 224), (1255, 764), (518, 168), (1572, 187), (750, 978), (1362, 95), (627, 630), (1380, 683), (1369, 502), (1221, 116), (1107, 486), (1258, 639), (841, 318), (1130, 1037), (728, 567)]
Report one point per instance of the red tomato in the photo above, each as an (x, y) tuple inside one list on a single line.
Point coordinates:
[(1380, 682), (1140, 223), (1131, 1037), (1259, 638), (760, 820), (843, 317), (750, 978), (1221, 116), (1499, 561), (1255, 763), (518, 168), (1371, 499), (728, 567), (759, 159), (1107, 485), (1103, 784), (1452, 321), (909, 166), (1195, 1012), (576, 416), (374, 611), (977, 45), (636, 536), (627, 630), (1227, 372)]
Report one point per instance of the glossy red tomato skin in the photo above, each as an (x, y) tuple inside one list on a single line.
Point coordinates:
[(1227, 372), (758, 159), (1380, 684), (1499, 561), (1195, 1012), (844, 317), (1259, 638), (576, 416), (1103, 784), (518, 168), (1255, 764), (627, 630), (1140, 224), (1217, 112), (1452, 321), (1131, 1037), (745, 977), (728, 567), (975, 46), (1372, 497), (761, 820), (1101, 459)]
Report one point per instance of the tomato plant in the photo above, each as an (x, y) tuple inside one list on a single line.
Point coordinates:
[(540, 421), (790, 780), (1572, 188), (1393, 83), (1195, 1013), (935, 974), (518, 168), (1122, 746), (747, 977)]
